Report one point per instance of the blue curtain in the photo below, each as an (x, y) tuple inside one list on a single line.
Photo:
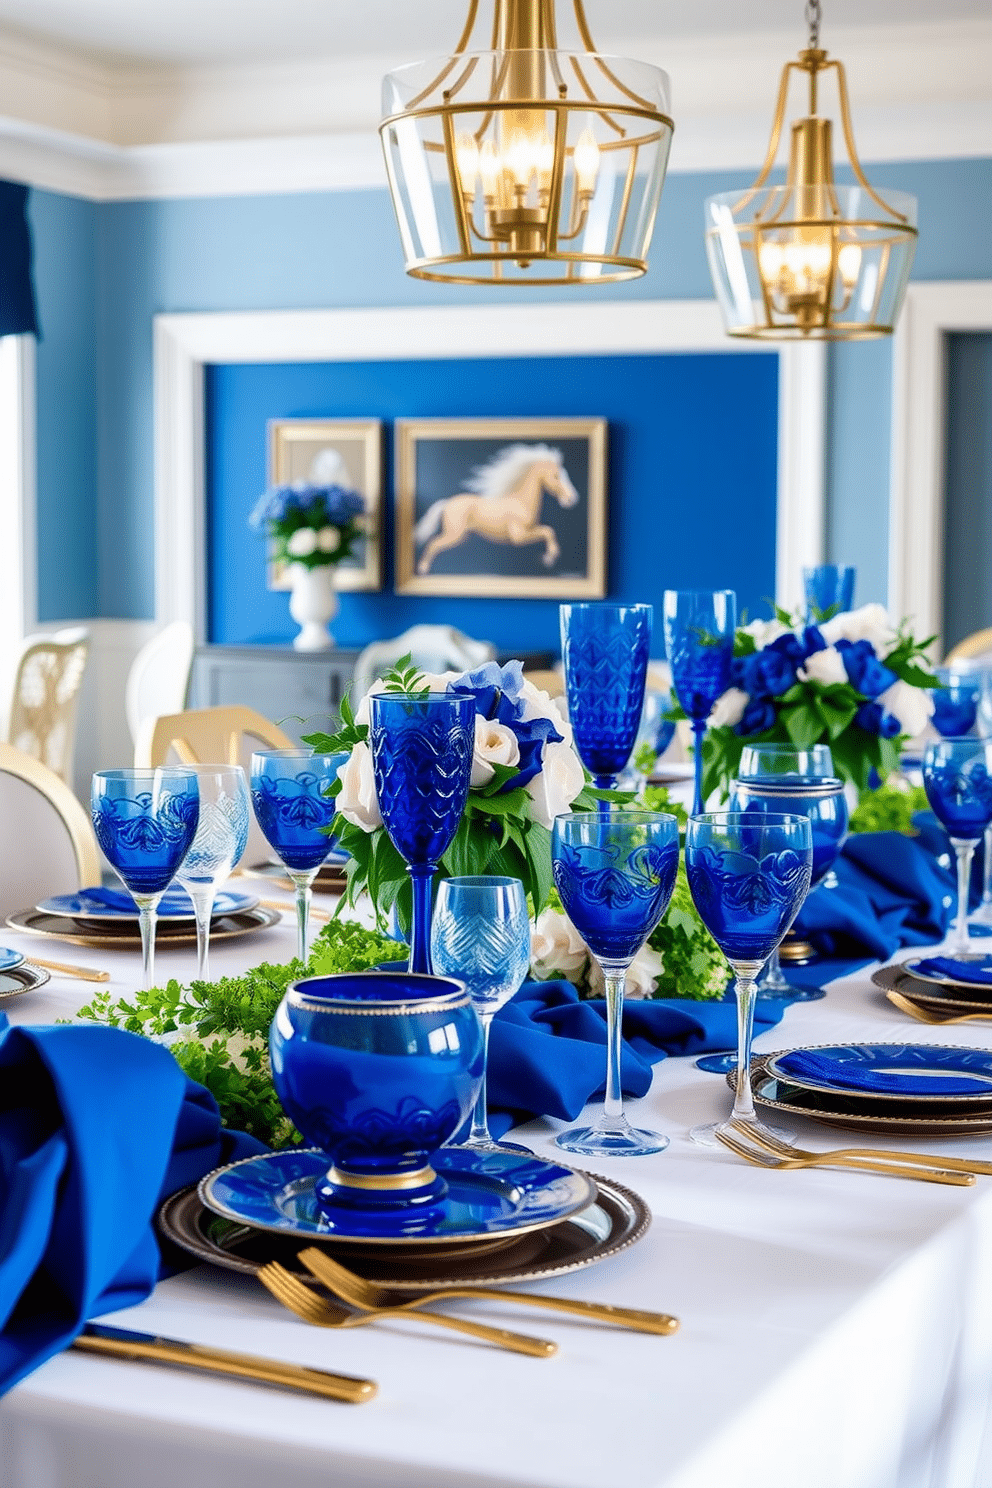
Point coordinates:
[(17, 306)]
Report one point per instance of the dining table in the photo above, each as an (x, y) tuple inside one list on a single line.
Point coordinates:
[(836, 1326)]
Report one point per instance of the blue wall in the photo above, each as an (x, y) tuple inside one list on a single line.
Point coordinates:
[(104, 270), (687, 435)]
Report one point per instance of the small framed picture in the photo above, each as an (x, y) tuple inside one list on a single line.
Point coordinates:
[(333, 452), (507, 507)]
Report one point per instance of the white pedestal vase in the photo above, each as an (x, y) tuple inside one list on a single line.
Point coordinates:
[(312, 604)]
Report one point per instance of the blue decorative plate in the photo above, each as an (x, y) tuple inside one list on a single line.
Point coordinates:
[(489, 1193), (117, 904), (971, 972), (9, 959), (933, 1074)]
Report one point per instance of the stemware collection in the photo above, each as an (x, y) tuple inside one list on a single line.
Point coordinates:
[(699, 638)]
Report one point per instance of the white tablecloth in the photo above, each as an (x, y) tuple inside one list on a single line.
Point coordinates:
[(836, 1332)]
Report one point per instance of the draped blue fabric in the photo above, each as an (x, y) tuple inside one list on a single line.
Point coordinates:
[(17, 303)]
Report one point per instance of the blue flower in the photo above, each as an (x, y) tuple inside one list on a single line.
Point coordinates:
[(768, 673), (497, 693), (865, 672), (873, 718), (758, 716)]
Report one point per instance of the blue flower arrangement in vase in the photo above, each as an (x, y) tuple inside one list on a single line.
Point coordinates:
[(854, 681)]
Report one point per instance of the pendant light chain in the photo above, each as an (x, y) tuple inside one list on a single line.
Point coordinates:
[(813, 22)]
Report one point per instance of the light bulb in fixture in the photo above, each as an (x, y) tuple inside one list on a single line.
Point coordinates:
[(586, 159)]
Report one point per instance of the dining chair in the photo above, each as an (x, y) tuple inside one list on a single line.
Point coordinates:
[(432, 648), (158, 679), (976, 647), (47, 678), (47, 843)]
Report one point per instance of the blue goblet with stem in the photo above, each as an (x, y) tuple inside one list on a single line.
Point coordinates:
[(145, 821), (615, 875), (221, 838), (828, 590), (957, 777), (289, 793), (480, 935), (958, 713), (422, 747), (605, 650), (748, 875), (699, 639)]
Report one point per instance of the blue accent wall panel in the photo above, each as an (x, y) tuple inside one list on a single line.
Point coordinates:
[(967, 555), (691, 479)]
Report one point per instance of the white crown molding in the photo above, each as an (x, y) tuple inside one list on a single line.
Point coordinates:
[(112, 130)]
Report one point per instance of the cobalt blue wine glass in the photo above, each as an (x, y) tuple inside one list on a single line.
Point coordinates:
[(480, 935), (957, 777), (699, 640), (605, 650), (422, 750), (145, 821), (615, 875), (289, 792), (956, 702), (829, 590), (748, 875)]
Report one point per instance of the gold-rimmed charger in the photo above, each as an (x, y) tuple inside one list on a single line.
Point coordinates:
[(616, 1220), (927, 994), (330, 878), (126, 936), (24, 977)]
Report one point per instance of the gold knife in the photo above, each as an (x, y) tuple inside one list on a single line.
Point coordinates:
[(123, 1343), (64, 968)]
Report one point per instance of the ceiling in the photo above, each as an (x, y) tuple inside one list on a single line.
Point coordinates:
[(203, 32)]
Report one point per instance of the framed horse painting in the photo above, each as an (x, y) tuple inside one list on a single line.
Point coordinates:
[(505, 507)]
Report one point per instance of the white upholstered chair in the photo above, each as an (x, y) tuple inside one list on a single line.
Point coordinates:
[(432, 648), (47, 843), (42, 715), (158, 680)]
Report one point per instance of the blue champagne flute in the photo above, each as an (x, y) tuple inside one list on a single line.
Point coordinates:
[(797, 782), (422, 762), (748, 875), (615, 875), (145, 821), (480, 934), (958, 783), (605, 650), (699, 639), (289, 793), (829, 590), (220, 841)]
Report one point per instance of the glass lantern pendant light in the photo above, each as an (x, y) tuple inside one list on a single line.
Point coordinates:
[(811, 259), (525, 164)]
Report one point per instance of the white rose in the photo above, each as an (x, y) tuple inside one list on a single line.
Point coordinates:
[(556, 785), (729, 708), (302, 542), (494, 744), (556, 946), (870, 623), (328, 539), (358, 801), (642, 973), (825, 667), (538, 704), (765, 631), (911, 705)]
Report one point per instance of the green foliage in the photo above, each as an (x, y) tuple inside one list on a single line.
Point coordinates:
[(404, 678), (348, 735), (694, 965), (889, 809), (657, 798)]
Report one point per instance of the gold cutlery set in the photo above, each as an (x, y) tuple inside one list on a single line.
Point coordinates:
[(764, 1150)]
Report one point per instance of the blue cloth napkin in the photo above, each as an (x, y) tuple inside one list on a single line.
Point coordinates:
[(891, 893), (97, 1127), (547, 1048), (978, 972), (805, 1064), (174, 900)]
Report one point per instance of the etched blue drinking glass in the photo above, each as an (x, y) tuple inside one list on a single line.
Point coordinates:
[(480, 935), (605, 650), (780, 778), (145, 821), (956, 702), (828, 589), (699, 640), (957, 777), (220, 841), (615, 875), (289, 792), (422, 761), (748, 875)]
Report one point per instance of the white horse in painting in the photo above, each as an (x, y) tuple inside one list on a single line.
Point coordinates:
[(502, 502)]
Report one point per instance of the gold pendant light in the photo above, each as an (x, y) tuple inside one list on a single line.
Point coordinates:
[(524, 164), (811, 260)]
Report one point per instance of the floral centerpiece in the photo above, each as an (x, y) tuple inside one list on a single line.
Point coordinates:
[(311, 528), (854, 681)]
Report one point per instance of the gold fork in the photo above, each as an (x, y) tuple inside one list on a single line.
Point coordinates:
[(358, 1292), (298, 1297), (928, 1015), (762, 1158), (930, 1159)]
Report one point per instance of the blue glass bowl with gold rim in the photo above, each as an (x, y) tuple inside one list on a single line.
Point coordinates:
[(378, 1069)]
